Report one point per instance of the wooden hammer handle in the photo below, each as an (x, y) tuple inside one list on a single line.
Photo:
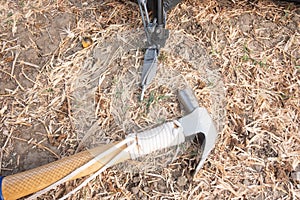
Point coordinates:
[(25, 183)]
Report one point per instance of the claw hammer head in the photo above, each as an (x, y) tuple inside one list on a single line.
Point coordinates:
[(197, 121)]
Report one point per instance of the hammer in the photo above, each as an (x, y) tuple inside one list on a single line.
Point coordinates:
[(196, 121)]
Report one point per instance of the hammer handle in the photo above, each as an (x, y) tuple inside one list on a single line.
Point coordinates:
[(25, 183), (140, 144)]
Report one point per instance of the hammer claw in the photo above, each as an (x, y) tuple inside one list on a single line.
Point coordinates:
[(197, 121)]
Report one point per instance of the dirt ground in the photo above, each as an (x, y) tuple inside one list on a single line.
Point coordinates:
[(255, 46)]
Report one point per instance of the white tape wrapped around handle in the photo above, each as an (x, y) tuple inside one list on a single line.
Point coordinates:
[(166, 135)]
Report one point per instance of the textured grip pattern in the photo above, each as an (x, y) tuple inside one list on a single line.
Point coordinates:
[(166, 135), (28, 182)]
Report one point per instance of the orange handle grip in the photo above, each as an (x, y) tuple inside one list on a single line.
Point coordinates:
[(25, 183)]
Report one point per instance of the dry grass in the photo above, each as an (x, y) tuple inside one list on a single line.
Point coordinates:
[(253, 45)]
